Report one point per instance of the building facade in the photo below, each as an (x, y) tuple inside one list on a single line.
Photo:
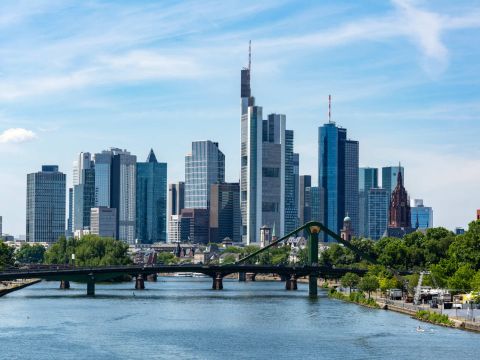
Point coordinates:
[(103, 222), (224, 213), (389, 177), (176, 198), (204, 166), (194, 225), (399, 223), (338, 177), (421, 215), (174, 228), (377, 210), (46, 194), (304, 198), (367, 179), (316, 200), (83, 197), (151, 198)]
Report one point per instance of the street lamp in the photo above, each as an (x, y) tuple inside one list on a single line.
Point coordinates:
[(73, 259)]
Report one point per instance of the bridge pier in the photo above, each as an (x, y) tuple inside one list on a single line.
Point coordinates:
[(250, 276), (91, 286), (217, 282), (291, 283), (139, 282), (64, 284), (242, 276), (152, 277)]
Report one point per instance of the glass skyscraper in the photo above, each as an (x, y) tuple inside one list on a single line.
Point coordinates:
[(338, 177), (421, 215), (377, 205), (368, 179), (224, 215), (46, 205), (389, 177), (204, 166), (151, 197)]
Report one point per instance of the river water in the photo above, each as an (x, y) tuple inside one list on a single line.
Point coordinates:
[(181, 318)]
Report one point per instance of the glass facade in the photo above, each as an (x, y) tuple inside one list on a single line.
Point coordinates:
[(316, 204), (46, 205), (421, 216), (151, 194), (103, 165), (203, 167), (291, 184), (378, 203), (225, 212), (389, 177), (367, 179)]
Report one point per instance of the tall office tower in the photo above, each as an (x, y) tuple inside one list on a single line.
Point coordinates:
[(103, 172), (389, 177), (338, 177), (225, 219), (291, 184), (304, 198), (174, 228), (377, 212), (263, 189), (316, 199), (367, 179), (123, 193), (204, 166), (151, 197), (83, 197), (176, 198), (46, 191), (69, 232), (103, 222), (421, 215), (194, 225)]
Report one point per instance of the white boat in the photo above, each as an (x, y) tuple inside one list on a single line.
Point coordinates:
[(184, 274), (195, 274)]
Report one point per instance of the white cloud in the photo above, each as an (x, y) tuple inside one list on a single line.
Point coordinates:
[(16, 135)]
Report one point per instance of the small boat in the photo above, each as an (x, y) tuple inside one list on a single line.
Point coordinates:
[(420, 329), (195, 274), (184, 274)]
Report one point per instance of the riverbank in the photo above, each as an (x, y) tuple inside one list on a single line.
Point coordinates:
[(7, 287)]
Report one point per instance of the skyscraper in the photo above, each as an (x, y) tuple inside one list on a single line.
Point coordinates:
[(368, 179), (204, 166), (421, 215), (46, 192), (377, 212), (304, 208), (83, 197), (104, 222), (151, 197), (316, 200), (267, 161), (69, 232), (103, 173), (338, 177), (176, 198), (389, 177), (123, 193), (225, 212)]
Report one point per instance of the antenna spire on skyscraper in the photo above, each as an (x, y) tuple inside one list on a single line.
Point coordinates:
[(329, 109), (250, 55)]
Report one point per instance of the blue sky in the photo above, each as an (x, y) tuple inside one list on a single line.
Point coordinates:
[(87, 75)]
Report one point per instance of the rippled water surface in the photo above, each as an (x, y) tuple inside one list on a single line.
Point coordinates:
[(181, 318)]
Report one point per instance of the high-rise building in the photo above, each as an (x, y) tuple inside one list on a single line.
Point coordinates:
[(316, 199), (83, 197), (291, 184), (194, 225), (174, 228), (421, 215), (204, 166), (399, 223), (367, 179), (338, 177), (225, 219), (176, 198), (69, 232), (267, 167), (103, 173), (46, 193), (377, 211), (123, 193), (103, 222), (151, 197), (304, 207), (389, 177)]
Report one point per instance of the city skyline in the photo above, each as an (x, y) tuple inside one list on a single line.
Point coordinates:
[(422, 109)]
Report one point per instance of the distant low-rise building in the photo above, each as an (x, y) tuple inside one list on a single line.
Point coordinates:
[(459, 231)]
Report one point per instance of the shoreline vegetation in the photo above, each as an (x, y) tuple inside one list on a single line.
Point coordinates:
[(354, 297), (434, 318)]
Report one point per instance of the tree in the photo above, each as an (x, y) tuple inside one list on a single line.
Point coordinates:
[(461, 281), (229, 259), (476, 281), (167, 258), (6, 255), (30, 254), (350, 280), (368, 284)]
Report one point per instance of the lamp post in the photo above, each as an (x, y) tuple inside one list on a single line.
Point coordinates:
[(73, 259)]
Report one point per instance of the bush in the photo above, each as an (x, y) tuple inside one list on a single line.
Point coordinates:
[(433, 317)]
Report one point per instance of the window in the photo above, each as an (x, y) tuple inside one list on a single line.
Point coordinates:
[(270, 172)]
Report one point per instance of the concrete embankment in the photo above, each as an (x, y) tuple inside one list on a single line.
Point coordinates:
[(14, 286)]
